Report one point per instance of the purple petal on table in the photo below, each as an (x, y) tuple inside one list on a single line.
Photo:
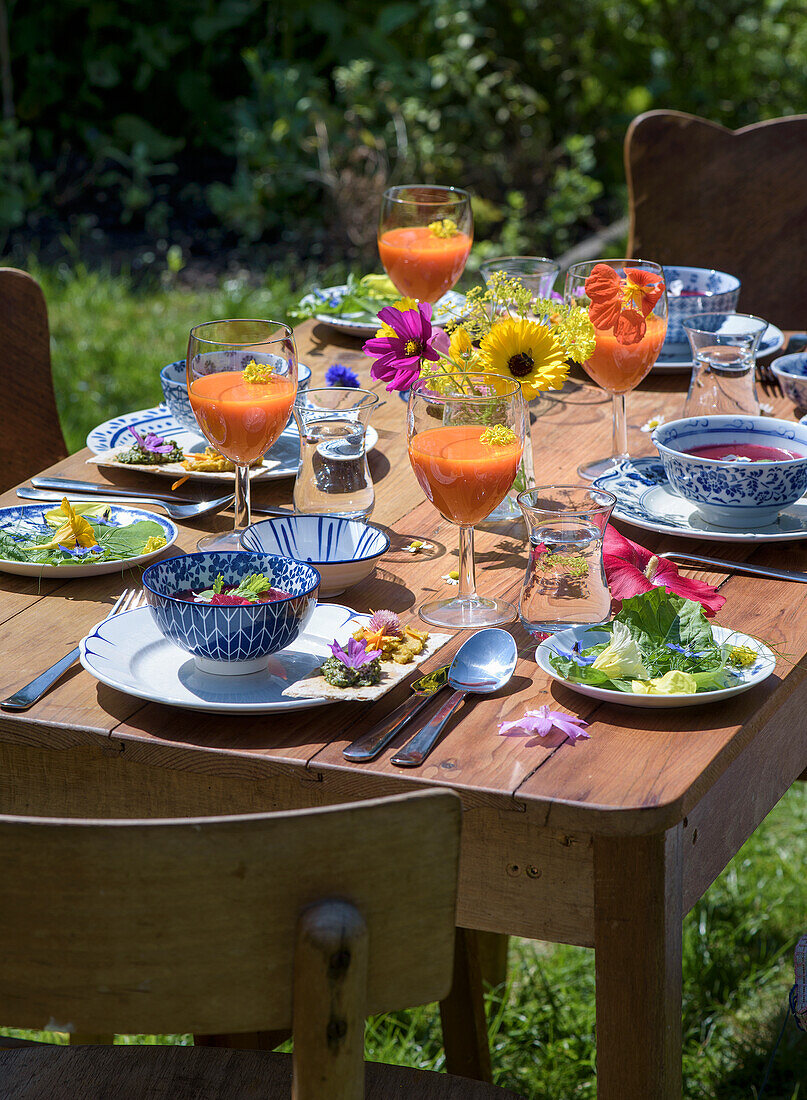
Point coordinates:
[(542, 721)]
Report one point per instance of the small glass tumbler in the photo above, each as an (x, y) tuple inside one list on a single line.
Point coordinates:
[(333, 477), (537, 273), (565, 581), (724, 347)]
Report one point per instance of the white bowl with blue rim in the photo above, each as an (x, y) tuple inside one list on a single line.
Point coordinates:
[(343, 551), (746, 494), (230, 640), (791, 370), (694, 290), (174, 381)]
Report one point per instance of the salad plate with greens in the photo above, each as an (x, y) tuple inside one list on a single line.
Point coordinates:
[(353, 307), (80, 540), (659, 651)]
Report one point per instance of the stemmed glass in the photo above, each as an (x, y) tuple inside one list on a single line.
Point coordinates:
[(242, 381), (465, 446), (424, 238), (627, 305)]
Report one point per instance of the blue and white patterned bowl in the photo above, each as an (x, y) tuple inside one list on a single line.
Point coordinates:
[(791, 370), (734, 494), (343, 551), (230, 640), (175, 391), (693, 290)]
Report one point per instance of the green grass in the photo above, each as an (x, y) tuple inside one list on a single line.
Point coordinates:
[(109, 341)]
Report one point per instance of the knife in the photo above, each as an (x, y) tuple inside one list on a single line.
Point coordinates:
[(70, 485), (370, 744), (737, 567)]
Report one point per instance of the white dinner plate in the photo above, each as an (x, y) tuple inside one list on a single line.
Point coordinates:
[(130, 653), (645, 498), (30, 519), (451, 307), (677, 358), (588, 636), (114, 435)]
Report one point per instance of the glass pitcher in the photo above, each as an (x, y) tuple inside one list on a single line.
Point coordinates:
[(565, 581), (333, 477)]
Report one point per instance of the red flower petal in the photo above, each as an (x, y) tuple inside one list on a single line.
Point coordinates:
[(630, 327), (631, 569), (603, 283), (650, 284), (618, 546), (604, 315)]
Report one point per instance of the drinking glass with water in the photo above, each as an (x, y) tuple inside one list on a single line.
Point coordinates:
[(565, 581), (724, 347), (333, 477)]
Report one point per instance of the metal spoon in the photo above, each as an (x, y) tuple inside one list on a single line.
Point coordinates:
[(482, 665), (175, 511)]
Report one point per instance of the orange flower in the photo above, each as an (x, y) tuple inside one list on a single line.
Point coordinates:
[(622, 304)]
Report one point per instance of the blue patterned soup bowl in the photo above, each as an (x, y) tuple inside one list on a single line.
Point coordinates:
[(343, 551), (747, 491), (175, 391), (791, 370), (693, 290), (230, 640)]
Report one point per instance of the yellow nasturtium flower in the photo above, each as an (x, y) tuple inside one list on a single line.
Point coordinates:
[(671, 683), (76, 531), (621, 659)]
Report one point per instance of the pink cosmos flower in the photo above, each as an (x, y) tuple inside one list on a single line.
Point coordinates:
[(542, 721), (151, 442), (630, 569), (400, 356), (357, 653)]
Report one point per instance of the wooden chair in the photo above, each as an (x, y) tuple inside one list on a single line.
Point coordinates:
[(735, 200), (310, 919), (33, 437)]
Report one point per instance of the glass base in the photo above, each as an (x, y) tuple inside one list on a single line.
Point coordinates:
[(222, 540), (459, 614), (590, 471)]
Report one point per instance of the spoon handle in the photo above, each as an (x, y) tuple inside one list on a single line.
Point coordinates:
[(415, 751)]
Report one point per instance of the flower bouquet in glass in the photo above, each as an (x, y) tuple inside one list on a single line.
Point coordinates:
[(504, 331)]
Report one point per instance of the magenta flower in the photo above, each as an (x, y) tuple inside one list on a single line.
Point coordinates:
[(400, 356), (357, 653), (542, 721), (151, 442)]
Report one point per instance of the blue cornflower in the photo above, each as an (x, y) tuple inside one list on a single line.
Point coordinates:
[(684, 651), (575, 655), (339, 375), (80, 551)]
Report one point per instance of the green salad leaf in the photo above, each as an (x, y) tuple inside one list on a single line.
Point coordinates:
[(114, 543), (362, 299)]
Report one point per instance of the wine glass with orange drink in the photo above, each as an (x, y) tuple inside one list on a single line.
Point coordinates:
[(465, 445), (424, 238), (242, 381), (627, 304)]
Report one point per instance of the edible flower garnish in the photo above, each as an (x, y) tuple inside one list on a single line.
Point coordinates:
[(743, 656), (655, 421), (83, 551), (400, 356), (76, 531), (674, 682), (575, 654), (258, 374), (154, 444), (339, 375), (452, 577), (631, 569), (542, 721), (414, 546), (498, 436), (385, 621), (622, 657), (445, 227), (622, 304), (356, 655), (356, 666)]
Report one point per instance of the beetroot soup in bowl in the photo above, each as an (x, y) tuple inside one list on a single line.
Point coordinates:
[(740, 471)]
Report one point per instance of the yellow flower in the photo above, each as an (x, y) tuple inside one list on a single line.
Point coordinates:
[(258, 373), (671, 683), (622, 656), (526, 351), (575, 332), (462, 349), (75, 532), (403, 305), (153, 542)]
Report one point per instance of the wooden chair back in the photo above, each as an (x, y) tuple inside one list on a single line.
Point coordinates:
[(33, 437), (704, 196), (308, 919)]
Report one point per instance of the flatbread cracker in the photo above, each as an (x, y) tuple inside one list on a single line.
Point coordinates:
[(317, 687), (176, 469)]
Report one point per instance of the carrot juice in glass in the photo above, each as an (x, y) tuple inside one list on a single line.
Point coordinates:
[(425, 235), (242, 381), (627, 305), (465, 446)]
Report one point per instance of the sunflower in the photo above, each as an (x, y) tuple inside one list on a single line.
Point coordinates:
[(527, 351)]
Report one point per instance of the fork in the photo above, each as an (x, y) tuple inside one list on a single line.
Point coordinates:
[(175, 511), (128, 600), (771, 386)]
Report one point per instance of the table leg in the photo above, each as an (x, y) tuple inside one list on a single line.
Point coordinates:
[(465, 1029), (638, 956)]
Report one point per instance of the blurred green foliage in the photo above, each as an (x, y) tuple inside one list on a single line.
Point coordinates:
[(286, 121)]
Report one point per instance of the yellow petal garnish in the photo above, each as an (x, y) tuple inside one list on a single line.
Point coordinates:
[(445, 227), (671, 683), (258, 373), (498, 436), (154, 542), (76, 532)]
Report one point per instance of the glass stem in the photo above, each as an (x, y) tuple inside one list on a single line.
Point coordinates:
[(620, 445), (242, 516), (467, 568)]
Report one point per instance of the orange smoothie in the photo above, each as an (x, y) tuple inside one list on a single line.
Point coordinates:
[(241, 419), (462, 477), (619, 368), (420, 264)]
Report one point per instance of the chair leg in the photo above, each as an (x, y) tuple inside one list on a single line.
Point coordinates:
[(465, 1030), (493, 948)]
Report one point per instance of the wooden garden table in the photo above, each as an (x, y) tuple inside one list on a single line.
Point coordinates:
[(606, 843)]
